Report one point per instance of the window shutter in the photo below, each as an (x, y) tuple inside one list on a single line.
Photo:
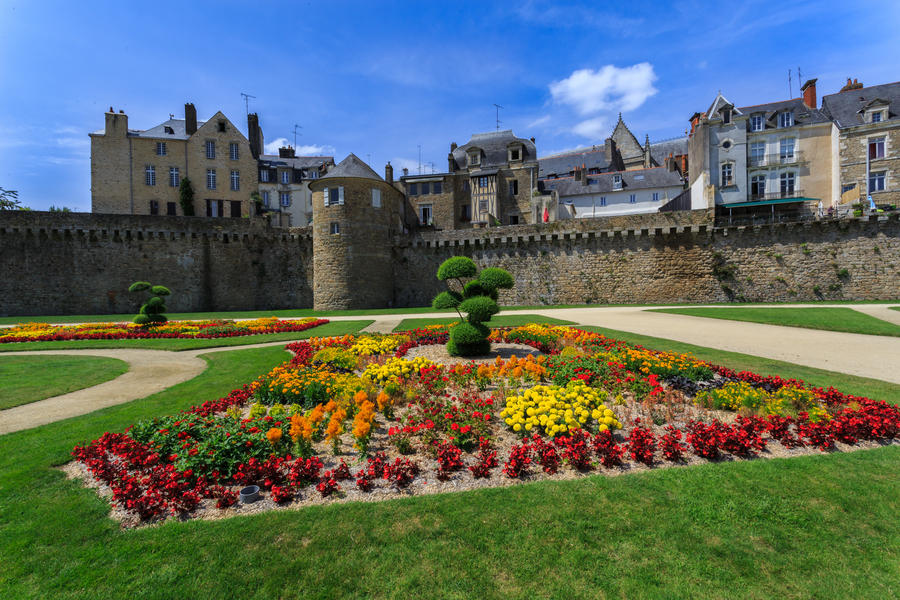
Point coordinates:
[(341, 195), (325, 194)]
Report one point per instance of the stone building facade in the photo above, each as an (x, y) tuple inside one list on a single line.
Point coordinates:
[(139, 171), (284, 185)]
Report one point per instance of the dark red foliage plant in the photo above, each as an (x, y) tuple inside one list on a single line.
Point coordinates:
[(641, 444), (486, 460), (670, 444), (607, 450)]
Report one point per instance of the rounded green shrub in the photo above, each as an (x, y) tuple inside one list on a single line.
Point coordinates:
[(474, 288), (151, 312), (493, 278), (480, 309), (457, 267), (160, 290), (446, 300), (467, 339), (142, 319), (139, 286)]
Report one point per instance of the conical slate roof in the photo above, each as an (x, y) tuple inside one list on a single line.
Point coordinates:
[(352, 166)]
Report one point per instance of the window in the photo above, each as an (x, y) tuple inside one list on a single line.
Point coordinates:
[(424, 189), (150, 175), (264, 175), (285, 198), (656, 196), (285, 177), (466, 214), (726, 144), (376, 198), (757, 153), (756, 123), (758, 186), (215, 208), (335, 229), (632, 198), (211, 179), (313, 174), (436, 187), (174, 177), (513, 219), (847, 188), (235, 209), (160, 148), (787, 184), (210, 149), (726, 116), (298, 176), (876, 147), (514, 154), (154, 207), (482, 206), (482, 182), (170, 209), (265, 199), (876, 117), (233, 151), (617, 182), (474, 158), (727, 174), (425, 214), (786, 119), (414, 189), (235, 180), (876, 181), (221, 126), (602, 200), (786, 150), (514, 187), (333, 196)]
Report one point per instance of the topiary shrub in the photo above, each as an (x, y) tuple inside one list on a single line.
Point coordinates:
[(476, 297), (151, 311)]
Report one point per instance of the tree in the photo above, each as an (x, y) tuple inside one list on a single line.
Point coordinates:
[(186, 197), (63, 209), (477, 297), (152, 311), (9, 200)]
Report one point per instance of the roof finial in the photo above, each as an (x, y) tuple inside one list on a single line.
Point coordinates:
[(620, 117)]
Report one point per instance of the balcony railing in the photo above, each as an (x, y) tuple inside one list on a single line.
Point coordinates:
[(776, 160), (779, 195)]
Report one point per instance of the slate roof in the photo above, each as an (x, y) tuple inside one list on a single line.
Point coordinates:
[(494, 145), (803, 115), (297, 162), (352, 166), (638, 179), (564, 163), (844, 107), (660, 150), (159, 131)]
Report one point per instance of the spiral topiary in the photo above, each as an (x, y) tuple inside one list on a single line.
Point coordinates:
[(476, 297), (151, 311)]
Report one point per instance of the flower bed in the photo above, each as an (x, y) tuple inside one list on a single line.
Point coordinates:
[(347, 418), (44, 332)]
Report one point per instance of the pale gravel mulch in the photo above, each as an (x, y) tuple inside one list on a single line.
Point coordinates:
[(438, 353)]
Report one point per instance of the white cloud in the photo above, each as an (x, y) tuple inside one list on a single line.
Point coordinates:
[(539, 121), (609, 87), (405, 163), (305, 150), (591, 128)]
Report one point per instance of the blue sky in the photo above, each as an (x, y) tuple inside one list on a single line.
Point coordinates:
[(381, 78)]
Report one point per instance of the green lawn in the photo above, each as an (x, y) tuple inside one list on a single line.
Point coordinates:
[(497, 321), (26, 379), (829, 318), (308, 312), (176, 344), (858, 386), (815, 527)]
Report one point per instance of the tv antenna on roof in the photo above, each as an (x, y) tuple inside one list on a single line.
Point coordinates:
[(296, 127), (790, 85), (419, 146), (247, 101), (498, 107)]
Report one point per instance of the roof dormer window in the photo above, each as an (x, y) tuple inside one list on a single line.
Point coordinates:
[(617, 182), (515, 153), (169, 130), (474, 158), (222, 126), (726, 116), (876, 117), (786, 119), (756, 123)]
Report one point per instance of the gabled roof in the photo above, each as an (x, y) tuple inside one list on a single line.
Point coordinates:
[(637, 179), (160, 131), (623, 136), (352, 166), (675, 146), (493, 146), (718, 104), (803, 115), (844, 107), (296, 162)]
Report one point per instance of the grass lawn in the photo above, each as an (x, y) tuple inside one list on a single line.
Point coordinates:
[(829, 318), (822, 526), (308, 312), (497, 321), (177, 344), (858, 386), (26, 379)]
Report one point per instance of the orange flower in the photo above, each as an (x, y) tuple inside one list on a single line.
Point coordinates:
[(360, 397), (331, 406), (383, 400), (317, 414), (300, 427), (274, 435)]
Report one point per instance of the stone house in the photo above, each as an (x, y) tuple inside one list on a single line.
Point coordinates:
[(284, 185), (139, 171), (868, 121)]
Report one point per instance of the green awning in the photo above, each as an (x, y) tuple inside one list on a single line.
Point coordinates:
[(768, 202)]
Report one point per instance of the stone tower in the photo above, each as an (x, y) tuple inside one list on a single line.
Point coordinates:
[(356, 215)]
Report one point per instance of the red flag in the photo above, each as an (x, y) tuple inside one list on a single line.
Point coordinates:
[(546, 215)]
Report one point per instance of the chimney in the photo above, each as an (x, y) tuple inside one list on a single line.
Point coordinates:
[(405, 172), (190, 119), (286, 152), (852, 84), (532, 139), (389, 172), (254, 134), (577, 173), (453, 146), (809, 93), (647, 152), (584, 175), (116, 124)]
